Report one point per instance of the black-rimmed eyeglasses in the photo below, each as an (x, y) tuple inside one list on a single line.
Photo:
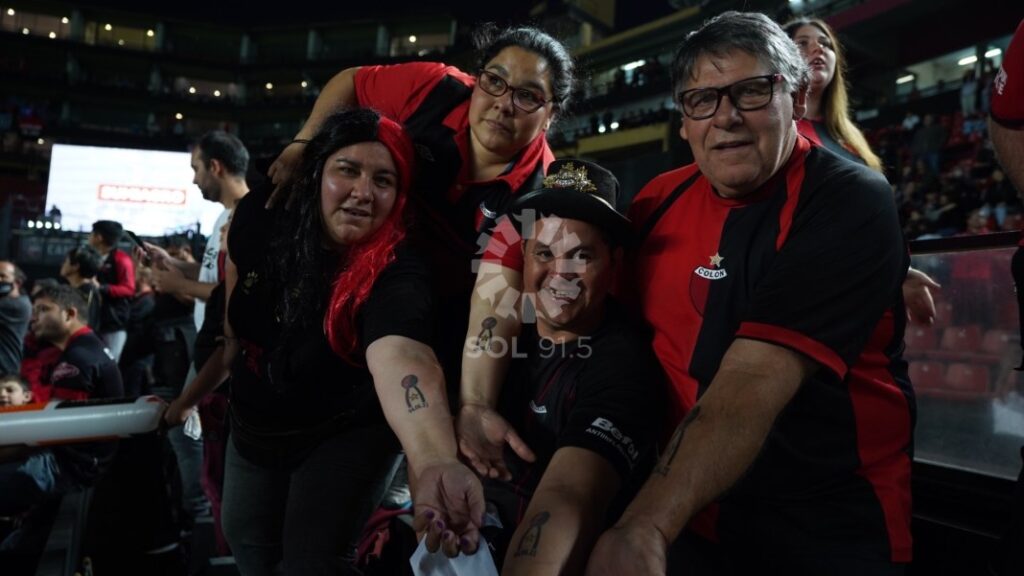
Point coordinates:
[(746, 95), (522, 98)]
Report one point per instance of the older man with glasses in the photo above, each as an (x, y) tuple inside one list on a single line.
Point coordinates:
[(770, 271)]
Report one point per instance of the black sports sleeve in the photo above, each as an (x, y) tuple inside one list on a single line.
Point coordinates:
[(617, 409), (400, 303), (837, 273), (251, 223)]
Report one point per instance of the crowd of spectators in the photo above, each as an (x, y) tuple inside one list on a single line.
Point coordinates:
[(941, 165), (944, 176)]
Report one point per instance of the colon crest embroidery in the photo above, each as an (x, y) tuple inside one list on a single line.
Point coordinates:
[(569, 176)]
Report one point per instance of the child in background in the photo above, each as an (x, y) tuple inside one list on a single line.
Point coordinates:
[(14, 391)]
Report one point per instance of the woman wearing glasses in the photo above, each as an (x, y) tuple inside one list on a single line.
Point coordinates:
[(480, 136), (827, 123), (480, 141)]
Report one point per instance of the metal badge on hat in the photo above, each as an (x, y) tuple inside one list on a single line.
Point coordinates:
[(569, 176)]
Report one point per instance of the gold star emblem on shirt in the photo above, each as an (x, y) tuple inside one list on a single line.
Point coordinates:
[(716, 260)]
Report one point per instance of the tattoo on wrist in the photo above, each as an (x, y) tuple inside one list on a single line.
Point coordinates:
[(483, 339), (665, 464), (531, 538), (414, 398)]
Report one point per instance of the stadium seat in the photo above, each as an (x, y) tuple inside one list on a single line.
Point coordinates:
[(926, 375), (995, 342), (920, 339), (943, 314), (1006, 314), (958, 343), (968, 379)]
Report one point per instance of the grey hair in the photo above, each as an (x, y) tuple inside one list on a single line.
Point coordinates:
[(751, 32)]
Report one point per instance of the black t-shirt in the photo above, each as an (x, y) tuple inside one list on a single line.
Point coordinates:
[(85, 370), (143, 306), (602, 393), (168, 309), (139, 344), (285, 400)]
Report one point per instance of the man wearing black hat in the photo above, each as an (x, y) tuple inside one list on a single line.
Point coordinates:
[(583, 383)]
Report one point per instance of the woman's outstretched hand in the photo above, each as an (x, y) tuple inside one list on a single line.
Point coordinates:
[(449, 507)]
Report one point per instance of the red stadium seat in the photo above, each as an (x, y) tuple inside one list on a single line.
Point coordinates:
[(927, 375), (968, 379), (995, 342), (959, 343), (920, 339), (962, 338), (943, 313), (1006, 314)]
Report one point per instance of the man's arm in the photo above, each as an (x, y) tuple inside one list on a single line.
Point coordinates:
[(565, 515), (494, 323), (448, 497), (188, 269), (173, 281), (213, 373), (161, 260), (710, 450)]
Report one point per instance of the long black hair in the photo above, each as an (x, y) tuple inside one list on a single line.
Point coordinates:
[(318, 284)]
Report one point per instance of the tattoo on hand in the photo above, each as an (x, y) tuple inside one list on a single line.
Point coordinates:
[(483, 339), (673, 445), (414, 398), (531, 539)]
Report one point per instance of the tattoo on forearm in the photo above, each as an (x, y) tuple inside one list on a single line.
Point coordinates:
[(673, 445), (531, 539), (483, 339), (414, 398)]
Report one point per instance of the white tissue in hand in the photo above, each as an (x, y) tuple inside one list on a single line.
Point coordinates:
[(437, 564), (193, 429)]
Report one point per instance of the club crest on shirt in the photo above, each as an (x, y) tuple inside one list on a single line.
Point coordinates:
[(64, 370), (703, 276)]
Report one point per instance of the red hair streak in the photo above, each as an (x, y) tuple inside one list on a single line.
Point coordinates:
[(361, 264)]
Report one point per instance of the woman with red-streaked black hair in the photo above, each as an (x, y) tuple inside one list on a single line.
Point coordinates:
[(481, 136), (329, 331)]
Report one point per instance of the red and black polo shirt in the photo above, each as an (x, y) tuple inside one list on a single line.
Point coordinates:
[(812, 261)]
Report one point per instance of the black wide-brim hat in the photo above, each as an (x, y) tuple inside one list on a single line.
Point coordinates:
[(578, 190)]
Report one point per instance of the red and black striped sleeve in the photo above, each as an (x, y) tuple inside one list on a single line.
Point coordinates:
[(840, 263)]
